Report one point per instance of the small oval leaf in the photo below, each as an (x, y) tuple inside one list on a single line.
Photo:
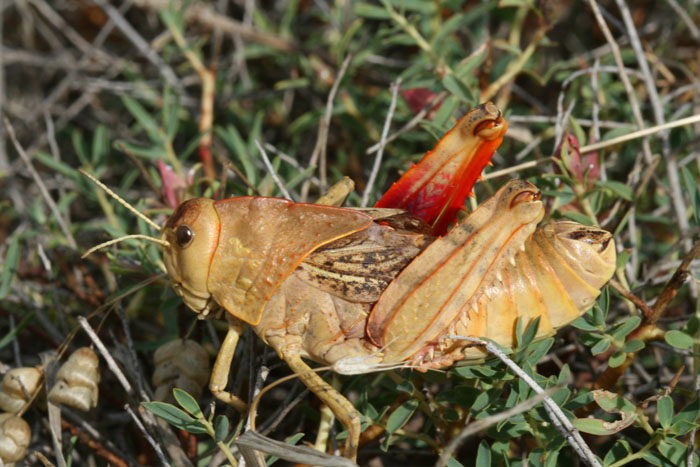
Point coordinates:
[(679, 340), (401, 415), (187, 402)]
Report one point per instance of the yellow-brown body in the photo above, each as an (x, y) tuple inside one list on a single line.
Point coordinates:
[(328, 284)]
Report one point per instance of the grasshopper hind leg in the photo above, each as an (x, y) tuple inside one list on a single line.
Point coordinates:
[(344, 411)]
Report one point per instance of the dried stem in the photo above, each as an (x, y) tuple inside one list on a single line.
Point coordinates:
[(319, 153), (382, 142), (272, 172), (556, 415)]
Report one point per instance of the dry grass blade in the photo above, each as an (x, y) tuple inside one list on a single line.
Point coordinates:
[(252, 441)]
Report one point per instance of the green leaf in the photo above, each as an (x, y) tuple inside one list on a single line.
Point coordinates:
[(457, 88), (655, 459), (446, 110), (58, 166), (153, 153), (367, 10), (100, 144), (682, 428), (401, 415), (635, 345), (620, 331), (483, 455), (673, 450), (175, 416), (613, 403), (143, 118), (538, 350), (169, 114), (187, 402), (79, 146), (617, 188), (464, 69), (689, 413), (593, 426), (679, 340), (619, 451), (582, 324), (692, 326), (221, 427), (7, 338), (578, 217), (617, 359), (530, 333), (405, 387), (9, 266), (591, 339), (622, 258), (452, 462), (601, 346), (600, 312), (664, 407)]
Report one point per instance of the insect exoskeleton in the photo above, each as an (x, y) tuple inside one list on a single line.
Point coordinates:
[(236, 252), (488, 272), (435, 188), (556, 277), (438, 288)]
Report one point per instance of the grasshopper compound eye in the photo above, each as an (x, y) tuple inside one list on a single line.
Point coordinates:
[(184, 236)]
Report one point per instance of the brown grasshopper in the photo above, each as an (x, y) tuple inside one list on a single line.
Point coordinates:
[(335, 285)]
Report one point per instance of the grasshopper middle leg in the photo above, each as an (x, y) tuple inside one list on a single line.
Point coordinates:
[(222, 366)]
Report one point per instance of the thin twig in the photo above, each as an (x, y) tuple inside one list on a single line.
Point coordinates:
[(156, 447), (272, 172), (631, 297), (595, 113), (641, 133), (556, 415), (412, 123), (692, 27), (516, 168), (206, 115), (111, 363), (484, 423), (599, 145), (534, 119), (319, 152), (674, 184), (139, 42), (207, 17), (40, 183), (516, 66), (671, 289), (382, 142), (631, 96)]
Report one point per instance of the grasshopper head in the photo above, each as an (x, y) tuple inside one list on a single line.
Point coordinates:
[(193, 234)]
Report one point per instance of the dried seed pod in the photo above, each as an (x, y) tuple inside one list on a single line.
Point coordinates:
[(77, 380), (15, 436), (183, 364), (17, 387)]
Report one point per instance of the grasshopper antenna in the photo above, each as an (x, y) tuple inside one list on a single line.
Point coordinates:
[(138, 214), (128, 206), (164, 243)]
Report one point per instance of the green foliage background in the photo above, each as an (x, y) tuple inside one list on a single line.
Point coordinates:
[(78, 97)]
